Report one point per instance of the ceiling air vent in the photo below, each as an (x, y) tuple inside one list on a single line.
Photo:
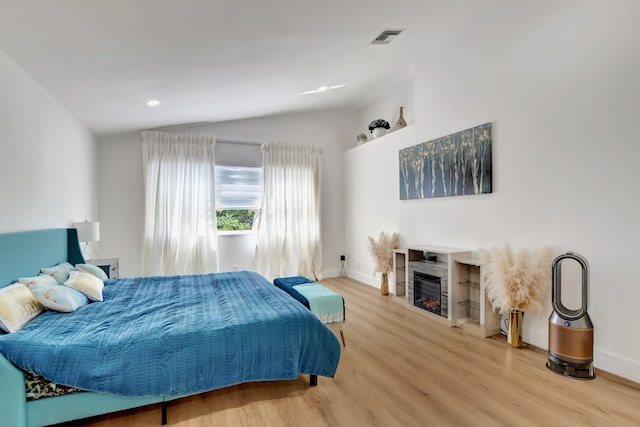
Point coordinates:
[(386, 36)]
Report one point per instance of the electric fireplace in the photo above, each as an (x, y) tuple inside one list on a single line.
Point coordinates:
[(427, 293)]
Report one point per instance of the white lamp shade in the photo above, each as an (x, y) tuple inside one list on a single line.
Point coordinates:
[(88, 231)]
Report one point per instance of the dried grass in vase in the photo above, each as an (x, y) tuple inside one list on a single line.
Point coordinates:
[(382, 251), (516, 281)]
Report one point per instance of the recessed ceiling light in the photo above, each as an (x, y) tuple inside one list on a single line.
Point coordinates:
[(153, 103), (322, 89)]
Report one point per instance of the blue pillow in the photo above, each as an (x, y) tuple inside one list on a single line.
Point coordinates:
[(57, 297), (60, 272), (93, 269)]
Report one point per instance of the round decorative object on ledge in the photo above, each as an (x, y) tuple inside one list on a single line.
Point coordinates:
[(378, 127), (378, 132), (361, 138)]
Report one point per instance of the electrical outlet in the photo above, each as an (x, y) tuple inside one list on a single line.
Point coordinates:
[(342, 257)]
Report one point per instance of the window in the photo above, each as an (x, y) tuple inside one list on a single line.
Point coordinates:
[(238, 196)]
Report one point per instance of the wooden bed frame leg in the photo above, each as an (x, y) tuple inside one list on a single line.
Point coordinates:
[(313, 380), (164, 412)]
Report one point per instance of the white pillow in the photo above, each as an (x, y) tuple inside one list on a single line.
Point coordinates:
[(57, 297), (60, 271), (86, 283), (93, 269), (17, 307)]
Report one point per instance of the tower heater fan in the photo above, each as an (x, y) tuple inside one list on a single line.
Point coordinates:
[(570, 331)]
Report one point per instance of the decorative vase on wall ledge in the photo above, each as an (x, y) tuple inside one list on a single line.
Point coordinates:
[(401, 123), (378, 127), (378, 132)]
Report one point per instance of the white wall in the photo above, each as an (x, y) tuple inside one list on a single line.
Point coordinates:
[(47, 157), (237, 251), (121, 198), (561, 84)]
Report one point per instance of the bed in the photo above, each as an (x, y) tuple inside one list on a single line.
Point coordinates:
[(191, 351)]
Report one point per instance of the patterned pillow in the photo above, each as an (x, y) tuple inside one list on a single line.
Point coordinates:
[(17, 307), (43, 279), (86, 283), (56, 297), (60, 272), (93, 269)]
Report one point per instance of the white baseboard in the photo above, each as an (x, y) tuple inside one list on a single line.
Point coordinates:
[(360, 277), (603, 360), (617, 365), (330, 273), (538, 338)]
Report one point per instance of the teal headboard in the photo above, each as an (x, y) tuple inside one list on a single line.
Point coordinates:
[(24, 253)]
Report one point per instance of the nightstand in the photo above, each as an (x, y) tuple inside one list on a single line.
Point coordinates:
[(109, 265)]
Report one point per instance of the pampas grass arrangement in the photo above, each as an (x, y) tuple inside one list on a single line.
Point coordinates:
[(382, 251), (516, 281)]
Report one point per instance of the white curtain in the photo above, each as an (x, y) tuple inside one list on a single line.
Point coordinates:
[(288, 241), (180, 216)]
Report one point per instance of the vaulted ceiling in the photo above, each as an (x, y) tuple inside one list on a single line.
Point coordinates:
[(208, 61)]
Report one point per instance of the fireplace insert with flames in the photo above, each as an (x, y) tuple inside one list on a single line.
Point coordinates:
[(427, 293)]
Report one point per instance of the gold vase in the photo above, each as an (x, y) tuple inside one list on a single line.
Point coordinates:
[(401, 123), (514, 336), (384, 284)]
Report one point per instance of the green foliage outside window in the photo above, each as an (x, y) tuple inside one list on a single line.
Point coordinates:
[(235, 219)]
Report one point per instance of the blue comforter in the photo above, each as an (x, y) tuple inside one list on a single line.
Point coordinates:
[(166, 336)]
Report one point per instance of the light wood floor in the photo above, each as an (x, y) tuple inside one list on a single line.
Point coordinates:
[(401, 368)]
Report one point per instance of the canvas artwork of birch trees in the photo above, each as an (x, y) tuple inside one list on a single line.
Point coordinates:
[(453, 165)]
